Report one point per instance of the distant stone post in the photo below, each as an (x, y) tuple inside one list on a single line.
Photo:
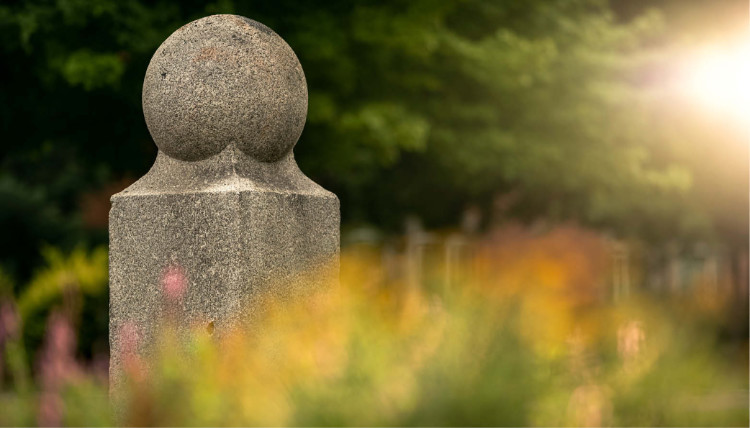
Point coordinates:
[(224, 216)]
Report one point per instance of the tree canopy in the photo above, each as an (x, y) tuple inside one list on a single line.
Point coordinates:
[(420, 107)]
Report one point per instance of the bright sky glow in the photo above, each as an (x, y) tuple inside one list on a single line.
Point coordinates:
[(719, 79)]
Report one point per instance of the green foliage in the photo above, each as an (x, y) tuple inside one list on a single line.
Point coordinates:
[(92, 70), (6, 285), (78, 272), (483, 352), (76, 281), (29, 220), (551, 100)]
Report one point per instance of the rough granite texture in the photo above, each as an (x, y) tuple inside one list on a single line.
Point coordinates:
[(224, 207), (225, 80)]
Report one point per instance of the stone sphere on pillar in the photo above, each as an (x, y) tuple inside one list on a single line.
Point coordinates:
[(221, 80)]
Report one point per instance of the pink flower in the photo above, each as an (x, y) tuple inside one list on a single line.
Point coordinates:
[(57, 366), (9, 323), (50, 411), (128, 339), (174, 282)]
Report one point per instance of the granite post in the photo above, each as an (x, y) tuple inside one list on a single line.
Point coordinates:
[(224, 216)]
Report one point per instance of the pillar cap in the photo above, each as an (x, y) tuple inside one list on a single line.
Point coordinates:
[(225, 80)]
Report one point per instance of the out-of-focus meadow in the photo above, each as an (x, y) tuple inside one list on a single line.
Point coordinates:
[(518, 329), (544, 216)]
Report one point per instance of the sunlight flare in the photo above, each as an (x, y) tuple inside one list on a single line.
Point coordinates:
[(719, 79)]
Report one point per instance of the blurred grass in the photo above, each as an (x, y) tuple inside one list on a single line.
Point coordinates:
[(524, 336)]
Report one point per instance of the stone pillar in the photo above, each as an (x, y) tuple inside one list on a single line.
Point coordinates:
[(224, 216)]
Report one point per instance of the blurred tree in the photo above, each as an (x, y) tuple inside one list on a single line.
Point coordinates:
[(420, 107)]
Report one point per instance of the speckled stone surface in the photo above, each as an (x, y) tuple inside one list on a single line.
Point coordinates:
[(224, 208), (225, 80)]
